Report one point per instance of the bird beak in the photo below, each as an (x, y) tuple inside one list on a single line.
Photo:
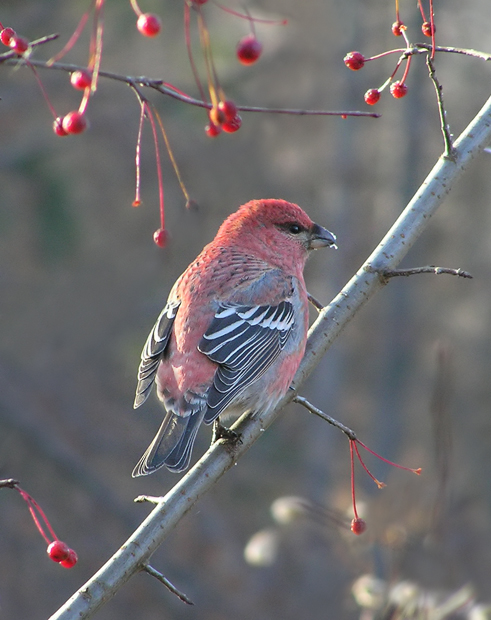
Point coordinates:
[(321, 238)]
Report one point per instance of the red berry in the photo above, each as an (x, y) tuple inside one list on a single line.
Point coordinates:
[(161, 236), (372, 96), (81, 79), (71, 560), (397, 28), (398, 90), (358, 526), (249, 49), (354, 61), (228, 108), (427, 29), (213, 130), (58, 127), (19, 44), (6, 35), (149, 24), (74, 122), (58, 551), (233, 125)]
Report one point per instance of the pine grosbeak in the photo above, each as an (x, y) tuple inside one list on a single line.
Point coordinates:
[(234, 329)]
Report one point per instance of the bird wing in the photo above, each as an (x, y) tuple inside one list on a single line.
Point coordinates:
[(244, 341), (153, 350)]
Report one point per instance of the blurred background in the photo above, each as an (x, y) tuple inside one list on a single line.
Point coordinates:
[(81, 283)]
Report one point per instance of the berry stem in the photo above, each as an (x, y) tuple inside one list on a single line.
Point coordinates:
[(171, 157), (137, 200), (136, 8), (377, 56), (414, 471), (96, 48), (353, 493), (187, 36), (43, 90), (210, 68), (157, 157), (380, 485), (33, 508), (422, 11), (432, 22), (406, 71), (257, 20), (73, 39)]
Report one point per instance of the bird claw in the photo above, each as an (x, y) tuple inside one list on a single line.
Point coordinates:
[(222, 432)]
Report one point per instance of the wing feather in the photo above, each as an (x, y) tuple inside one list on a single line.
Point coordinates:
[(244, 341), (153, 350)]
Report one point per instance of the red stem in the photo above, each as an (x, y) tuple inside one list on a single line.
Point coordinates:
[(415, 471), (432, 24), (159, 170), (33, 507), (43, 90), (274, 22), (137, 200), (420, 4), (187, 37), (352, 459), (73, 39), (408, 64)]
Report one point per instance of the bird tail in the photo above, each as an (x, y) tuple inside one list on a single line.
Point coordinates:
[(172, 445)]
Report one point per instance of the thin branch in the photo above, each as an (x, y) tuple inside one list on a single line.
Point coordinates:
[(161, 87), (327, 418), (424, 48), (151, 499), (8, 483), (427, 47), (447, 137), (158, 575), (393, 273), (220, 457), (317, 304)]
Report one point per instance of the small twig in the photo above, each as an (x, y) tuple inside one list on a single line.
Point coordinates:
[(452, 50), (393, 273), (317, 304), (155, 573), (8, 483), (147, 498), (447, 137), (313, 409)]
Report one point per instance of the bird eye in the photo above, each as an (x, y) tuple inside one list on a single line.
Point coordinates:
[(294, 229)]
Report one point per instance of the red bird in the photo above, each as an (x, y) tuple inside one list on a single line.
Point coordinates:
[(234, 329)]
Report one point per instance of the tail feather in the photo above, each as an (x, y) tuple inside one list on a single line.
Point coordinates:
[(172, 445)]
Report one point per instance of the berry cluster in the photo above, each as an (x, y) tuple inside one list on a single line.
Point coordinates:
[(60, 552), (358, 525), (223, 113), (223, 117), (398, 89), (57, 550), (11, 39)]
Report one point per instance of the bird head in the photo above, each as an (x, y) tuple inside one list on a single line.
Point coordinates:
[(277, 227)]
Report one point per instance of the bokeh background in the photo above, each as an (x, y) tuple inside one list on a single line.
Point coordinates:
[(81, 284)]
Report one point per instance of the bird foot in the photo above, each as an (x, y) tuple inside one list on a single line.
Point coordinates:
[(222, 432)]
